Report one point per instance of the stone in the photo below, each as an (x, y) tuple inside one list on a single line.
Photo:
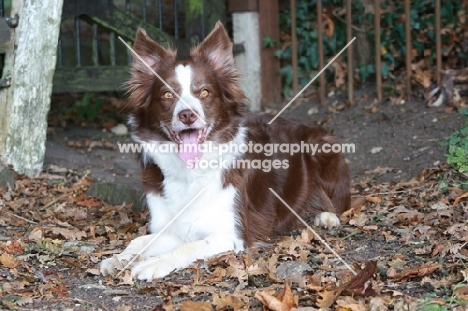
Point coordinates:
[(7, 178), (293, 271), (116, 193), (120, 130)]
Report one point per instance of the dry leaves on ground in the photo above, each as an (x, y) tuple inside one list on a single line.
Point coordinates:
[(405, 240)]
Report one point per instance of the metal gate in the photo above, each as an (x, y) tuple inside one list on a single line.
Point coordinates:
[(90, 57)]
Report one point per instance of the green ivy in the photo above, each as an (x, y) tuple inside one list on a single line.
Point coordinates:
[(392, 36), (88, 108), (458, 146)]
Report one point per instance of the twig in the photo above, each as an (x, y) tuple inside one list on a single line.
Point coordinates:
[(351, 234), (57, 199), (400, 191), (17, 216)]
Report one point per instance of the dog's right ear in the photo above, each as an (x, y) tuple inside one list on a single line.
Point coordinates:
[(148, 59), (149, 53)]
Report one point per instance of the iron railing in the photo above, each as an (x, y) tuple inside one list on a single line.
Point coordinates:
[(91, 59)]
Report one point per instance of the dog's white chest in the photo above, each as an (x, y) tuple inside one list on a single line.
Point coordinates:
[(198, 207)]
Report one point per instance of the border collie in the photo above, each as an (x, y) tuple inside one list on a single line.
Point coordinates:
[(198, 103)]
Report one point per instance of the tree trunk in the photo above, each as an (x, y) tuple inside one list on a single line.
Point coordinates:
[(30, 61)]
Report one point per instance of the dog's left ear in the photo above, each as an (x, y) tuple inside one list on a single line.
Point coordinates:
[(216, 48)]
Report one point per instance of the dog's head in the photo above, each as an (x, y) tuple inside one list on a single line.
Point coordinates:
[(189, 101)]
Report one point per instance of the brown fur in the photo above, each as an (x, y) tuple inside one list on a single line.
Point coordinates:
[(311, 184)]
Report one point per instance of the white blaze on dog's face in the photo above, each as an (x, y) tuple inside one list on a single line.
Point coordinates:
[(199, 101)]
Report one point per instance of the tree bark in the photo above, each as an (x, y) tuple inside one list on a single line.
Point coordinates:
[(30, 61)]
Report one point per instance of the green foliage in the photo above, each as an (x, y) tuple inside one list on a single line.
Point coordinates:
[(88, 108), (268, 42), (392, 36), (458, 147)]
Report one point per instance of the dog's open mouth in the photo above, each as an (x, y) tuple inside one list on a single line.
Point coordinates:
[(189, 141)]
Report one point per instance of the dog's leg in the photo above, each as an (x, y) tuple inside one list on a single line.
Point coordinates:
[(182, 256), (163, 244), (327, 213)]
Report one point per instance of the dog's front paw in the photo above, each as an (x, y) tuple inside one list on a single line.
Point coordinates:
[(152, 268), (327, 220), (117, 262)]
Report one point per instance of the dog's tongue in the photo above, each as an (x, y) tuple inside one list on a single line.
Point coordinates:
[(188, 150)]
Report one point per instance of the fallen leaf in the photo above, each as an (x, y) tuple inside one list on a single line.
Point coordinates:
[(416, 271), (256, 269), (123, 308), (327, 298), (8, 261), (358, 282), (14, 247), (35, 235), (24, 301), (460, 198), (9, 304), (360, 221), (60, 290), (13, 287), (221, 301), (196, 306), (69, 234), (374, 199), (127, 278), (93, 271), (348, 303), (329, 25), (285, 301), (71, 261), (91, 202)]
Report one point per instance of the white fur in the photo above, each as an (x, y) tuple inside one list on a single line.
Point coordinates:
[(184, 76), (327, 220), (207, 227)]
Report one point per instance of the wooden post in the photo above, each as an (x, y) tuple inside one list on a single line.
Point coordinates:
[(246, 31), (408, 47), (269, 26), (320, 52), (378, 73), (438, 42), (349, 36), (295, 73), (31, 63)]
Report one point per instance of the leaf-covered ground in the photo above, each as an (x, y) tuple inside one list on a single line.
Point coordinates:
[(407, 242)]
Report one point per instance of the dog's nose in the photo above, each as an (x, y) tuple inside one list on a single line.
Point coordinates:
[(187, 116)]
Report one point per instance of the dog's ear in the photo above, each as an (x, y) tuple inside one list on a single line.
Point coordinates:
[(149, 53), (148, 59), (216, 48)]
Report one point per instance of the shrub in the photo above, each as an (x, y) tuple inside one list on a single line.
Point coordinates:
[(457, 144)]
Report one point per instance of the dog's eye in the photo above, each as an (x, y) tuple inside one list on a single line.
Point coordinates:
[(168, 95), (204, 93)]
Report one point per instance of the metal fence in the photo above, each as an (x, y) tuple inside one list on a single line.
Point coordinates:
[(92, 59), (377, 47)]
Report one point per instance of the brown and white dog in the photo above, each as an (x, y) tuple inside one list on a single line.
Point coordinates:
[(200, 104)]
